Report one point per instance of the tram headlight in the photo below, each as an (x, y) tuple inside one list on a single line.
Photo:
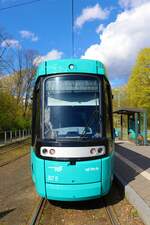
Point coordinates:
[(101, 150), (93, 151), (98, 151), (52, 151), (44, 151)]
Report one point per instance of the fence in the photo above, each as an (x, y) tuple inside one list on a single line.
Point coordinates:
[(11, 136)]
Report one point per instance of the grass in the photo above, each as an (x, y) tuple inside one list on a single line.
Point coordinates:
[(134, 213)]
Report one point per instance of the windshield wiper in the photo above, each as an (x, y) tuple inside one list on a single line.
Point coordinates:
[(89, 123)]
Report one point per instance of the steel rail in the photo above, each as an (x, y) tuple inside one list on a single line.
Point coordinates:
[(13, 146), (35, 219), (13, 160), (111, 213)]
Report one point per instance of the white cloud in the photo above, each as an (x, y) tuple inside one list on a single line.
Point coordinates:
[(53, 54), (91, 13), (122, 40), (28, 35), (12, 43), (100, 28), (131, 3)]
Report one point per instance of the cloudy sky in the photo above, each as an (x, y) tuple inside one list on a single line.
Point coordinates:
[(112, 31)]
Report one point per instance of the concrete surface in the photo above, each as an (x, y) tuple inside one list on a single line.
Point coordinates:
[(132, 168)]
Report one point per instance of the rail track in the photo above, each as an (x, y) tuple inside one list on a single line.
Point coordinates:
[(13, 160), (11, 147), (14, 145), (111, 213), (109, 210), (38, 212)]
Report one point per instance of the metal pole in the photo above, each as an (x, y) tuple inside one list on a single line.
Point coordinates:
[(128, 126), (121, 127), (5, 136), (72, 24), (23, 133), (11, 135), (145, 128), (136, 128)]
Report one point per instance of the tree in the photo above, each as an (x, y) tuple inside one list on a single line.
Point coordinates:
[(16, 66), (120, 97), (28, 77), (138, 86), (3, 49), (6, 53), (10, 112), (19, 83)]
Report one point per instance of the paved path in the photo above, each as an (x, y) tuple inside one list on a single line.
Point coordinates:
[(132, 166), (17, 194)]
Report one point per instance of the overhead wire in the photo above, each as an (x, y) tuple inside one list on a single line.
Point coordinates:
[(19, 4), (34, 1)]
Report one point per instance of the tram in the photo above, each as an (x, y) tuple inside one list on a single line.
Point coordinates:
[(72, 130)]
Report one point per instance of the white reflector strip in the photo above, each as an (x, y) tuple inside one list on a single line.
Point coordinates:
[(73, 152)]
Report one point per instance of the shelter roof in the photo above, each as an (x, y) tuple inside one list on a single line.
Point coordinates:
[(129, 110)]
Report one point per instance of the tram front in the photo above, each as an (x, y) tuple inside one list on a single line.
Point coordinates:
[(76, 137)]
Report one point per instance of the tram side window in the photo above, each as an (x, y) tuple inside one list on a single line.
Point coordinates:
[(108, 110), (36, 115)]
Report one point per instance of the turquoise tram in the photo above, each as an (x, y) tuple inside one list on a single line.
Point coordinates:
[(72, 130)]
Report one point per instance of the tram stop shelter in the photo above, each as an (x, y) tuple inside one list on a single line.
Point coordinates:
[(136, 124)]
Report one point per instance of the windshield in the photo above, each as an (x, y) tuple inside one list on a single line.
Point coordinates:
[(71, 107)]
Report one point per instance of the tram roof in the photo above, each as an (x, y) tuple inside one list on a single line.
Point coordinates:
[(70, 66)]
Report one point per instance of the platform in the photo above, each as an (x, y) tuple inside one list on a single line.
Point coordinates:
[(132, 168)]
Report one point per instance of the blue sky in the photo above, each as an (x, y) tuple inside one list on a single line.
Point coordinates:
[(46, 27), (50, 20)]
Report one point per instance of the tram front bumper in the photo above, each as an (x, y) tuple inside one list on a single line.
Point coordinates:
[(80, 188), (78, 192)]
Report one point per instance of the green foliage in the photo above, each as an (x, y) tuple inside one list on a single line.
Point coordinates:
[(120, 97), (16, 87), (136, 93), (138, 87), (11, 114)]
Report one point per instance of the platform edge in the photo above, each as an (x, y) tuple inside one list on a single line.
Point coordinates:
[(131, 195)]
